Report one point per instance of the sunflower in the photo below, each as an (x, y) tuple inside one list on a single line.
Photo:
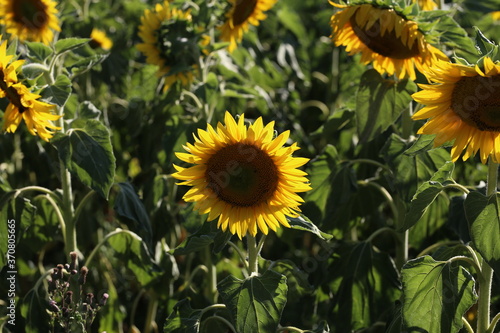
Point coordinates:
[(392, 43), (31, 20), (495, 15), (243, 176), (463, 105), (8, 74), (172, 42), (426, 4), (36, 114), (240, 16), (99, 39)]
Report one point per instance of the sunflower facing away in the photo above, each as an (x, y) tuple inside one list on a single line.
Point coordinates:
[(463, 105), (393, 44), (243, 176), (426, 4), (30, 20), (172, 42), (243, 13)]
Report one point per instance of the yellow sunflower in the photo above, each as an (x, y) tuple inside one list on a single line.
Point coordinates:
[(243, 176), (463, 105), (426, 4), (393, 44), (495, 15), (36, 114), (99, 39), (8, 74), (31, 20), (243, 13), (172, 42)]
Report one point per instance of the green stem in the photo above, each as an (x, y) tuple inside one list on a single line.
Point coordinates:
[(407, 122), (82, 204), (494, 323), (212, 276), (486, 274), (253, 254), (467, 325), (240, 254), (151, 314), (103, 241), (290, 329), (60, 216)]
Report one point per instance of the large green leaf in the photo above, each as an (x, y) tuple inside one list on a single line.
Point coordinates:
[(59, 92), (134, 254), (88, 154), (426, 194), (128, 205), (38, 51), (436, 295), (364, 283), (483, 216), (183, 319), (33, 308), (380, 102), (255, 303)]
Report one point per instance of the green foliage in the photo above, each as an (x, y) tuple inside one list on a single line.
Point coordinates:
[(256, 303), (436, 295)]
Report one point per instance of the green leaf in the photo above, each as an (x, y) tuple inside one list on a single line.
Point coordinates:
[(111, 315), (183, 319), (292, 21), (127, 204), (255, 303), (88, 154), (365, 284), (483, 44), (436, 295), (89, 111), (132, 251), (301, 222), (86, 63), (38, 51), (379, 103), (296, 279), (33, 308), (484, 223), (202, 238), (424, 143), (426, 194), (68, 44), (59, 92)]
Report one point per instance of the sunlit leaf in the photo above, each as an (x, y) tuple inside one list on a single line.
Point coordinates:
[(59, 92), (183, 319), (255, 303), (483, 215), (436, 295), (68, 44)]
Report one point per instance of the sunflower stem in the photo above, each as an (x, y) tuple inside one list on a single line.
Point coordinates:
[(486, 274), (253, 254), (212, 276)]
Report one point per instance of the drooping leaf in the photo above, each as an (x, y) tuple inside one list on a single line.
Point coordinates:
[(256, 303), (426, 194), (183, 319), (484, 223), (365, 284), (203, 237), (33, 308), (88, 154), (129, 205), (379, 102), (436, 295), (301, 222)]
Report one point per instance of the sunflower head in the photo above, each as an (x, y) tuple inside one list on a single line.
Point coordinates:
[(385, 38), (99, 39), (171, 41), (243, 176), (463, 106), (240, 16), (30, 20)]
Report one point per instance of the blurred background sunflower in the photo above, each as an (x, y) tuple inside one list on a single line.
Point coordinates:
[(30, 20)]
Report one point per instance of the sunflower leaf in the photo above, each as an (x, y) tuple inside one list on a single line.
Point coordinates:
[(38, 51), (483, 44), (483, 216), (88, 154), (436, 295), (59, 92), (256, 303), (183, 318), (426, 194), (301, 222), (68, 44), (379, 103)]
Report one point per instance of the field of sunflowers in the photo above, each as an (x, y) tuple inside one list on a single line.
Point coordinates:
[(249, 166)]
